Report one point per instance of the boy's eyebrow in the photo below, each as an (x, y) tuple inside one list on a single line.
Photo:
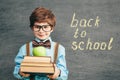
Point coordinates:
[(41, 25)]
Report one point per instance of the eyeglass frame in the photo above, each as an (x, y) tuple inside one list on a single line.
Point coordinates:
[(42, 26)]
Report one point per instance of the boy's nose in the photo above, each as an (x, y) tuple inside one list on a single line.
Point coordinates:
[(41, 30)]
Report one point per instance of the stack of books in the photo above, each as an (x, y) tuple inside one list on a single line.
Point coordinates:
[(34, 64)]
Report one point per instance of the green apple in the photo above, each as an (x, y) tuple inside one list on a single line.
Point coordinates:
[(39, 51)]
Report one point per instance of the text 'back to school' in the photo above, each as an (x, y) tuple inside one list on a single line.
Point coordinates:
[(87, 44)]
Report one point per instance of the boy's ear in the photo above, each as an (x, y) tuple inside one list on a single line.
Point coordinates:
[(52, 30)]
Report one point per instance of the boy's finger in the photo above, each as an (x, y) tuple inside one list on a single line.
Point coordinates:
[(50, 76), (27, 75)]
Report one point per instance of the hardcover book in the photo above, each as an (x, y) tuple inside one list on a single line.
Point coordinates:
[(32, 64)]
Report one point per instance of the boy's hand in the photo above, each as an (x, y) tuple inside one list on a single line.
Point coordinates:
[(56, 74), (23, 74)]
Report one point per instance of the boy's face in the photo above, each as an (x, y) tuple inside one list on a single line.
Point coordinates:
[(42, 30)]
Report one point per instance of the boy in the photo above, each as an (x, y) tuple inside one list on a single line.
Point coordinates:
[(42, 23)]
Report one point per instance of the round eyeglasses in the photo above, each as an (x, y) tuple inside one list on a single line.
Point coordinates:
[(45, 28)]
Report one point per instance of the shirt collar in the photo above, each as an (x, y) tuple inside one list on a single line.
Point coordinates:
[(38, 40)]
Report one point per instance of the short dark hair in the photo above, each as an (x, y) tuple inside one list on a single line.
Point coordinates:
[(42, 14)]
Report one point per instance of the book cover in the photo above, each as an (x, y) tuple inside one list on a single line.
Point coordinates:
[(45, 59), (38, 69), (43, 64)]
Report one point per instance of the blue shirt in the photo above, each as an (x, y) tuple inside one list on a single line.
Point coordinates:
[(61, 61)]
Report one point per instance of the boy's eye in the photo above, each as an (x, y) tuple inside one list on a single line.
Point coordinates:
[(36, 26), (45, 26)]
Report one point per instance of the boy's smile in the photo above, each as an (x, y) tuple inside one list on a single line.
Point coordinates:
[(42, 30)]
